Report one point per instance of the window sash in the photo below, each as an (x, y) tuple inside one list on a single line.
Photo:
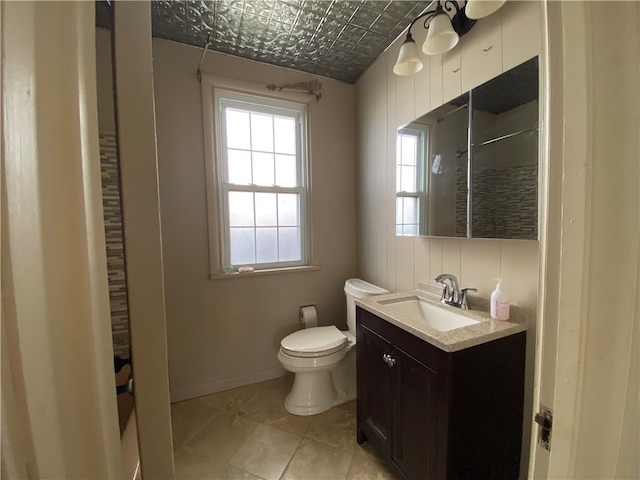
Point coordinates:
[(301, 227)]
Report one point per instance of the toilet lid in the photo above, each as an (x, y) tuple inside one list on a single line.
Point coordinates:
[(311, 342)]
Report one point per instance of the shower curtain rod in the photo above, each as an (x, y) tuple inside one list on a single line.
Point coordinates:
[(452, 111), (459, 153)]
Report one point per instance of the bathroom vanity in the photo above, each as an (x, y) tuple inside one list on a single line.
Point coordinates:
[(440, 404)]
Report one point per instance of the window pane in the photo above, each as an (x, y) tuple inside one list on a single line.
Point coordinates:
[(286, 175), (289, 244), (263, 171), (409, 149), (410, 213), (239, 166), (288, 211), (242, 246), (237, 123), (399, 210), (285, 135), (266, 210), (267, 245), (240, 209), (410, 230), (261, 132), (407, 179)]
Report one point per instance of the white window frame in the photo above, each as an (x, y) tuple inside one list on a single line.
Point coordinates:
[(213, 89), (421, 132)]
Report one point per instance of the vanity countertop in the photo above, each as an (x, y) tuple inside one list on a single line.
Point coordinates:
[(487, 329)]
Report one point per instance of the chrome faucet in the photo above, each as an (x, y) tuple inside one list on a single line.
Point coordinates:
[(451, 293)]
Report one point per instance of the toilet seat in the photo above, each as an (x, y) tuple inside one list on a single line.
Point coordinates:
[(314, 342)]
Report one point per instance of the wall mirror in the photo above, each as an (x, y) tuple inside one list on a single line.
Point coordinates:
[(470, 167)]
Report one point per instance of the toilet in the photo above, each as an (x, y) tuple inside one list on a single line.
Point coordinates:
[(323, 359)]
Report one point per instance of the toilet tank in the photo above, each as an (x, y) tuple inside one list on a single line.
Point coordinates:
[(356, 288)]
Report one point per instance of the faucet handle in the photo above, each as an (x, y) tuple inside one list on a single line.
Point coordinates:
[(463, 297)]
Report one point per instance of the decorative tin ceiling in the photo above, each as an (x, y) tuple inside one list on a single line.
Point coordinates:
[(334, 38)]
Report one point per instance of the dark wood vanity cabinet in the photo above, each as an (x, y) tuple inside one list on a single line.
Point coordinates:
[(437, 414)]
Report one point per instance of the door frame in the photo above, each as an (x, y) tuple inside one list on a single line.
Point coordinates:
[(136, 134), (587, 241)]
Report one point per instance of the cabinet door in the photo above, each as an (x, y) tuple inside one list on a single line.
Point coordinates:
[(415, 417), (374, 388)]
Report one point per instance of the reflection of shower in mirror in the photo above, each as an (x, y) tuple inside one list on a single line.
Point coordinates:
[(479, 156)]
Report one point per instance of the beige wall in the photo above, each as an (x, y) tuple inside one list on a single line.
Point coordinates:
[(226, 332), (385, 102)]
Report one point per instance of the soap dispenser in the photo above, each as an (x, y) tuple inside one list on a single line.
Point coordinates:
[(499, 303)]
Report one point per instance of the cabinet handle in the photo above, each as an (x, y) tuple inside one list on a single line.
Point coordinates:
[(388, 359), (486, 50), (456, 70)]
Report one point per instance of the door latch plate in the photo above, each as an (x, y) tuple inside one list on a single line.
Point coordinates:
[(544, 419)]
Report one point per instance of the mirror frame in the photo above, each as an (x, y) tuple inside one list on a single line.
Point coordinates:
[(423, 229)]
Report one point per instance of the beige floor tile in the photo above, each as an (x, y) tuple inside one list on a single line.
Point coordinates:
[(266, 452), (335, 427), (316, 461), (259, 404), (232, 473), (349, 407), (246, 433), (368, 464), (190, 463), (188, 418), (232, 400), (209, 451), (271, 403)]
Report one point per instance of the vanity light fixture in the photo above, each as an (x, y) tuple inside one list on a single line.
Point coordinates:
[(476, 9), (445, 25)]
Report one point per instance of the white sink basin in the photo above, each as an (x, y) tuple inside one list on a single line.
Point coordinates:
[(437, 317)]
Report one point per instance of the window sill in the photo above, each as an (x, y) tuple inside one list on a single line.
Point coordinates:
[(270, 271)]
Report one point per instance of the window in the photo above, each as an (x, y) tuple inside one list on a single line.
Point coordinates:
[(410, 154), (261, 172)]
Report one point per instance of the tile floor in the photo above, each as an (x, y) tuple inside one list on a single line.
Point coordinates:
[(246, 433)]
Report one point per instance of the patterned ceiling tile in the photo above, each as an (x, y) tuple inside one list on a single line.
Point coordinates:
[(285, 12), (343, 10), (170, 21), (366, 16), (387, 23), (335, 38)]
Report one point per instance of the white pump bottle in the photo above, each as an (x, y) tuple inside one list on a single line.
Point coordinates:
[(499, 303)]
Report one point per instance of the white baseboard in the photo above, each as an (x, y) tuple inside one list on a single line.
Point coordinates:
[(226, 384)]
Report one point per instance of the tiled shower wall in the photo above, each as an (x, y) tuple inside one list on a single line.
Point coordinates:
[(511, 195), (114, 240), (504, 202)]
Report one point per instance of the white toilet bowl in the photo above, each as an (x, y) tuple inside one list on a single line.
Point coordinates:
[(323, 359)]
